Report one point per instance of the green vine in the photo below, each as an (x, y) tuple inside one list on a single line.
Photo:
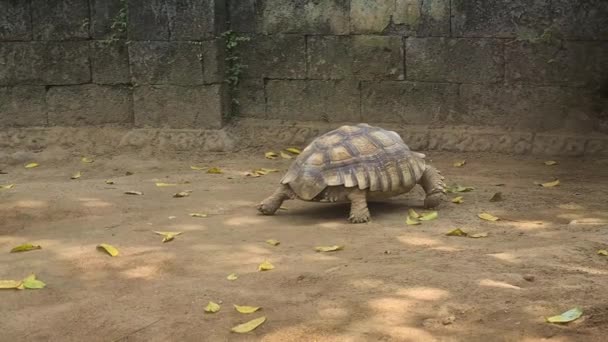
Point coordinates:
[(120, 21), (234, 69)]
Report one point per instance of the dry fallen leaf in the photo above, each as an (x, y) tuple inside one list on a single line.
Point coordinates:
[(109, 181), (30, 282), (168, 236), (197, 168), (232, 276), (457, 200), (329, 248), (478, 235), (273, 242), (7, 186), (248, 326), (215, 171), (252, 174), (550, 162), (198, 215), (108, 249), (413, 214), (271, 155), (246, 309), (285, 155), (411, 221), (456, 232), (487, 217), (161, 185), (602, 252), (181, 194), (212, 307), (460, 163), (565, 317), (497, 197), (76, 175), (31, 165), (550, 184), (25, 247), (9, 284), (283, 208), (293, 150), (131, 192), (431, 215), (459, 188), (265, 266), (87, 160)]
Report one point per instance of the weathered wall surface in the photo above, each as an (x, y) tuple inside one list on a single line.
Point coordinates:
[(508, 76)]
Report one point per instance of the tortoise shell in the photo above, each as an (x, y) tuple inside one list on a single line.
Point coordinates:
[(364, 156)]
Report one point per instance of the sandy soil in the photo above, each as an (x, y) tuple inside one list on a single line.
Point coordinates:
[(392, 282)]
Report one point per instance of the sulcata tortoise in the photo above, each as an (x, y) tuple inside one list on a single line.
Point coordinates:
[(356, 164)]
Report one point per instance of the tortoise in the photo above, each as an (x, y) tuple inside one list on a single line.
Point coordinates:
[(356, 163)]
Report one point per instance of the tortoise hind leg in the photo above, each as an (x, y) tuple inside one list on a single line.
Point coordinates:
[(271, 204), (359, 213), (433, 185)]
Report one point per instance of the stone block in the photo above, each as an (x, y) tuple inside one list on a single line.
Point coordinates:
[(499, 18), (454, 60), (312, 100), (361, 57), (44, 63), (89, 104), (597, 147), (178, 63), (22, 106), (304, 16), (275, 56), (15, 20), (213, 61), (178, 107), (60, 19), (370, 16), (408, 102), (470, 140), (559, 144), (191, 20), (426, 18), (243, 16), (568, 63), (109, 19), (582, 20), (251, 98), (110, 62), (148, 20)]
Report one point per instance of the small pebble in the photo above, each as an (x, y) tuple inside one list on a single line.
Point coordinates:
[(448, 320), (529, 277)]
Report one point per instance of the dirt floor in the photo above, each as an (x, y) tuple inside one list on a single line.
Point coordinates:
[(392, 282)]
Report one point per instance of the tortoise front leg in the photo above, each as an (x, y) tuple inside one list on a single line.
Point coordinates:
[(271, 204), (359, 213)]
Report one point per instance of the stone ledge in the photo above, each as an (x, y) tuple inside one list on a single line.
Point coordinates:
[(254, 134)]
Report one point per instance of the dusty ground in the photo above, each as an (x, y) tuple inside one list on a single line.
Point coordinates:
[(392, 282)]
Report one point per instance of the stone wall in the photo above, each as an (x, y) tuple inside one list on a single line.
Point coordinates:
[(515, 72)]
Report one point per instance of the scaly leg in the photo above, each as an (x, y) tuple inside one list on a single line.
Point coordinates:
[(433, 185), (271, 204), (359, 213)]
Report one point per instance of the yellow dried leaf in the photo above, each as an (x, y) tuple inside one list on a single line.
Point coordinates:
[(487, 217), (431, 215), (30, 282), (602, 252), (265, 266), (246, 309), (411, 221), (232, 276), (168, 236), (197, 168), (269, 170), (457, 200), (212, 307), (550, 162), (252, 174), (550, 184), (460, 163), (568, 316), (271, 155), (9, 284), (76, 175), (413, 214), (198, 215), (293, 150), (87, 160), (459, 188), (285, 155), (131, 192), (161, 185), (109, 181), (478, 235), (108, 249), (181, 194), (248, 326), (273, 242), (456, 232), (283, 208), (25, 247), (7, 186), (31, 165), (215, 171), (329, 248)]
